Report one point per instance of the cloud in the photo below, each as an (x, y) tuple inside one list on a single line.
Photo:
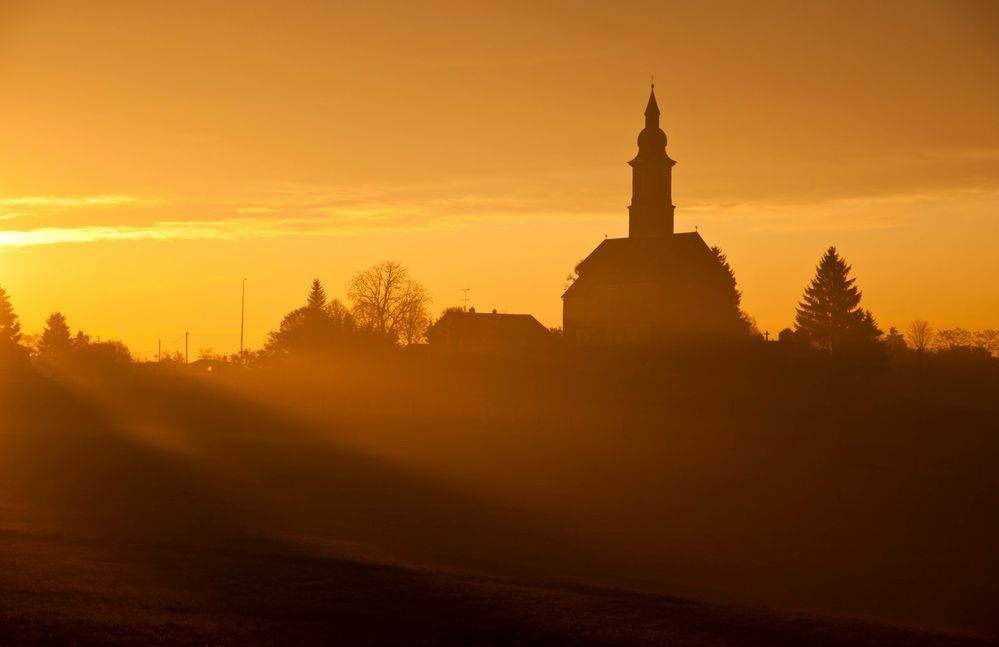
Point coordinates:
[(296, 210), (861, 213), (71, 201), (348, 222)]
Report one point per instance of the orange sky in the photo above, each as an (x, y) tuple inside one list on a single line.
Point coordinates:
[(152, 154)]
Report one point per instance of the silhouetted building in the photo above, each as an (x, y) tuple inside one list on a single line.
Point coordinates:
[(487, 332), (655, 285)]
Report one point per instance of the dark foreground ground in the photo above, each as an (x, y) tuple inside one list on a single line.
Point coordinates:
[(259, 596), (425, 501)]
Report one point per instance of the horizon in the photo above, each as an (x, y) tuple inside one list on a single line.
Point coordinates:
[(139, 184)]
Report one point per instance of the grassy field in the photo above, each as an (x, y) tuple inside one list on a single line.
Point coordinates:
[(424, 500)]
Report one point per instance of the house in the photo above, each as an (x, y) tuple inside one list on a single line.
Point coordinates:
[(472, 331), (656, 285)]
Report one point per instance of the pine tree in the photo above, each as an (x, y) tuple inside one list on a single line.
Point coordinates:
[(56, 342), (732, 293), (10, 327), (830, 311), (317, 296), (319, 325), (730, 314)]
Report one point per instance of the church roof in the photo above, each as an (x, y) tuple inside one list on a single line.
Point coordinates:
[(638, 260)]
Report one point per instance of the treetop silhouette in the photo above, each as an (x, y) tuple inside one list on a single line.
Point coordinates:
[(56, 342), (317, 297), (829, 312), (320, 324), (386, 301), (10, 326)]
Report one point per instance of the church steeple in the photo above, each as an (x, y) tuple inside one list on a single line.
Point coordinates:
[(651, 212), (652, 110)]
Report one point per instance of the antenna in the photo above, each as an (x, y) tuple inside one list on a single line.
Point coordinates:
[(242, 317), (466, 291)]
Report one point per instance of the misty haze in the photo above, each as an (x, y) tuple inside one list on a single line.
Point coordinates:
[(453, 325)]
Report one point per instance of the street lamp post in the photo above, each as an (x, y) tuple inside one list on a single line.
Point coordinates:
[(242, 318)]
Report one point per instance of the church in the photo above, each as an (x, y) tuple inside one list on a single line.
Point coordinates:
[(656, 286)]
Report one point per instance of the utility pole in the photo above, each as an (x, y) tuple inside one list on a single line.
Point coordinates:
[(159, 350), (187, 356), (242, 318), (466, 291)]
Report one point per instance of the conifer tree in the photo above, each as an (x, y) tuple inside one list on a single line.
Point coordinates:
[(321, 324), (56, 342), (10, 327), (731, 314), (830, 311), (732, 292), (317, 296)]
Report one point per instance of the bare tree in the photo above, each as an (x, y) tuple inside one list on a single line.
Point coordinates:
[(920, 335), (960, 338), (385, 300)]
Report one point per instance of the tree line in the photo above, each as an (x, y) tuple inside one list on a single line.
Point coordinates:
[(830, 318), (388, 308)]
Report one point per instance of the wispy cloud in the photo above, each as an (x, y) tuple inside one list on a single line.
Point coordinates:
[(336, 224), (73, 201), (862, 213), (295, 211)]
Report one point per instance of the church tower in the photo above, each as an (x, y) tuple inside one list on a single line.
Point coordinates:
[(651, 212)]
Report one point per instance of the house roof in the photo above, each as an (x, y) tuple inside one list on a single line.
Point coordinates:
[(487, 325), (637, 260)]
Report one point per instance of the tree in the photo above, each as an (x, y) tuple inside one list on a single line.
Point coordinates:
[(56, 343), (830, 311), (572, 276), (317, 296), (10, 327), (385, 300), (12, 354), (730, 297), (734, 294), (318, 325), (895, 341), (989, 340), (102, 354), (960, 338), (920, 335), (340, 316), (954, 338)]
